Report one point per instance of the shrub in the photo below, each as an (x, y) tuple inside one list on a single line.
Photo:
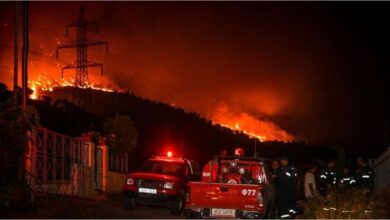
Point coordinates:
[(349, 204), (121, 134)]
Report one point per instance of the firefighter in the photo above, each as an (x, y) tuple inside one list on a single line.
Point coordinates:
[(286, 189), (364, 174), (328, 178), (272, 212), (274, 169), (347, 180)]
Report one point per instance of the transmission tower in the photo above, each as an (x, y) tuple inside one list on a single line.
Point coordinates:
[(82, 43)]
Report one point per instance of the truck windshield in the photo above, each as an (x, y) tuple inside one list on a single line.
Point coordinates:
[(163, 167)]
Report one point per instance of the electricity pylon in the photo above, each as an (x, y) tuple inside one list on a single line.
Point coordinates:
[(82, 43)]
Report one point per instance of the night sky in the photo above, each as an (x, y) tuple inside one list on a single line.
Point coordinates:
[(317, 70)]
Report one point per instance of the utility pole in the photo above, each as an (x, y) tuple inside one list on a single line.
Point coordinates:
[(25, 55), (16, 53), (82, 43)]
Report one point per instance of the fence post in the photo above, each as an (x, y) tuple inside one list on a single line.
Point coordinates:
[(88, 168), (116, 162), (28, 162), (44, 161), (126, 163), (103, 146)]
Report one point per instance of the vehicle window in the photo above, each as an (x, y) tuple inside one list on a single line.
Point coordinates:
[(163, 167), (195, 167)]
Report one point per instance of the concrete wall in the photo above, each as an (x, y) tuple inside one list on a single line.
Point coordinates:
[(382, 170), (115, 182), (112, 182)]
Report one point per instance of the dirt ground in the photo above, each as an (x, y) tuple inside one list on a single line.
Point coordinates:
[(96, 208)]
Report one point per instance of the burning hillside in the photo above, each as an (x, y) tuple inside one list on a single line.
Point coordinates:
[(44, 84), (263, 130)]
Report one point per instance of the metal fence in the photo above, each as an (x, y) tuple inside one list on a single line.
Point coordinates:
[(54, 163), (118, 163)]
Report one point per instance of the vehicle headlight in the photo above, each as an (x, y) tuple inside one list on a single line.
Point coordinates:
[(224, 169), (241, 170), (168, 185), (130, 181), (233, 163)]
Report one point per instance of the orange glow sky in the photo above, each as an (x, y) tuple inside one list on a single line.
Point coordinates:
[(310, 69)]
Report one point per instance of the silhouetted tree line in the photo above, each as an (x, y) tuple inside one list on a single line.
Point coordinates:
[(159, 126)]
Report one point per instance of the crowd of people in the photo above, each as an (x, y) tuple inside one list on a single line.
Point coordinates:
[(316, 182)]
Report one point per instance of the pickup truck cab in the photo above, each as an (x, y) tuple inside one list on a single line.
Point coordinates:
[(231, 187), (160, 181)]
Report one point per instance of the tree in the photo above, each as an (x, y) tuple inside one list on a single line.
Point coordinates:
[(121, 133), (4, 93), (12, 148)]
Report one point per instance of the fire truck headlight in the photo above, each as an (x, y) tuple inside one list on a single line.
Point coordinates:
[(168, 185), (233, 163), (130, 181), (224, 169), (241, 170)]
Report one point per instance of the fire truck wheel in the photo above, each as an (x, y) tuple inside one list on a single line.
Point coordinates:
[(129, 204), (178, 205)]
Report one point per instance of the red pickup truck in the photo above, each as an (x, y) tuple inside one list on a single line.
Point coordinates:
[(231, 187), (160, 181)]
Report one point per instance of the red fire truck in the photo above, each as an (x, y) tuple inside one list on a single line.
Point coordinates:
[(231, 187), (161, 181)]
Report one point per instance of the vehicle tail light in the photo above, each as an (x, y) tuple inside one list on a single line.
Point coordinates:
[(260, 199), (168, 185), (169, 154), (130, 181)]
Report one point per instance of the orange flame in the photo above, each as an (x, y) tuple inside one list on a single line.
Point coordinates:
[(262, 130), (44, 83)]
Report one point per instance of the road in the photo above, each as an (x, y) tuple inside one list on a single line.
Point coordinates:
[(97, 208)]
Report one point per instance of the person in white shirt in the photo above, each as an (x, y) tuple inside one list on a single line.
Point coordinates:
[(310, 182)]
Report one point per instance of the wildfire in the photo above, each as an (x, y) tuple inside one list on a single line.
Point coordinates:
[(236, 127), (262, 130), (44, 83)]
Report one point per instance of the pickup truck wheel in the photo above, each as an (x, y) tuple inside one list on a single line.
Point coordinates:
[(177, 206), (130, 204), (189, 214)]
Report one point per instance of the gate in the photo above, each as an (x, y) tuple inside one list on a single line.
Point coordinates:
[(98, 168), (54, 163)]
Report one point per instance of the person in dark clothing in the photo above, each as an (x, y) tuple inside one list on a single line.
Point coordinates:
[(272, 212), (286, 189), (346, 180), (364, 175), (328, 178), (274, 168)]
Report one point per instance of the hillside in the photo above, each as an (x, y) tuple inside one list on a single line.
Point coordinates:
[(159, 125)]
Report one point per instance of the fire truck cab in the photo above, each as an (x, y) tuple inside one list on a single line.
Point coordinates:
[(231, 187), (161, 181)]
